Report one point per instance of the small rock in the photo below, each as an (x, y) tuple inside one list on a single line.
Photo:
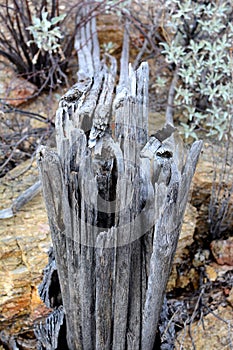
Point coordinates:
[(201, 257), (230, 297), (211, 273), (19, 90), (222, 251), (220, 270)]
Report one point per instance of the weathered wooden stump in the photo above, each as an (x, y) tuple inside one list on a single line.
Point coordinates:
[(115, 199)]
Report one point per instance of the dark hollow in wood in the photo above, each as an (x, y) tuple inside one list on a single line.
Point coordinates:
[(115, 199)]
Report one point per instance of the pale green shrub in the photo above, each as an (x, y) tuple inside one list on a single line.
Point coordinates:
[(201, 44)]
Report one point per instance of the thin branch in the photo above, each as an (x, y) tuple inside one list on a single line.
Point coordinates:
[(11, 155), (36, 116), (171, 96)]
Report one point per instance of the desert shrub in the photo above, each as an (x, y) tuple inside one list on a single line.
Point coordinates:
[(33, 40), (200, 47)]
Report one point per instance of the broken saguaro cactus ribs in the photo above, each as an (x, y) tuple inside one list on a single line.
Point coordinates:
[(115, 199)]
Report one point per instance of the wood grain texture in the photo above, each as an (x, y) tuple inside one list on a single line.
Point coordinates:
[(115, 206)]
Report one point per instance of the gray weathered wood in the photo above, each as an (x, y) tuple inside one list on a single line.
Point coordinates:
[(21, 200), (171, 201), (104, 285), (49, 290), (115, 199), (49, 336)]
